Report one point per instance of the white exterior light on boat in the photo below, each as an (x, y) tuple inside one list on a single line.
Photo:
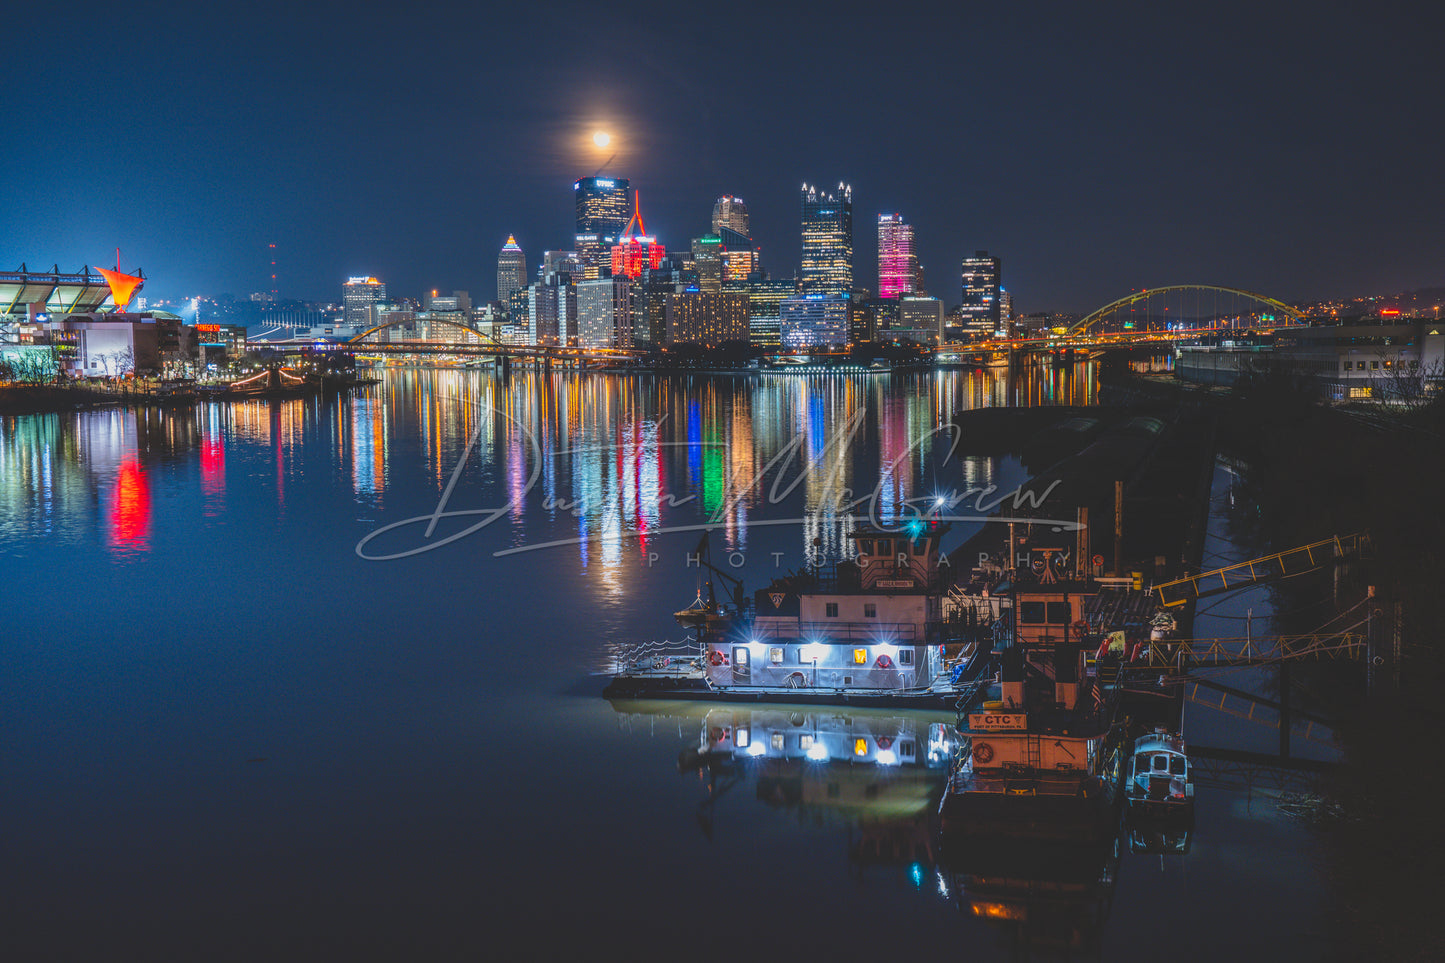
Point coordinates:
[(757, 749), (813, 652), (886, 757), (818, 752)]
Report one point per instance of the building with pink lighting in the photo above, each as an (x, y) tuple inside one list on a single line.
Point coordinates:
[(897, 260)]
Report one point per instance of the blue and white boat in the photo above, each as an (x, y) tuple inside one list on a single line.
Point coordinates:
[(1159, 777)]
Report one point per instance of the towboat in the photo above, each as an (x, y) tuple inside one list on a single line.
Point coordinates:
[(1159, 777), (1045, 758), (884, 627)]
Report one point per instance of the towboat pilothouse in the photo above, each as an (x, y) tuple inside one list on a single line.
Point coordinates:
[(879, 628)]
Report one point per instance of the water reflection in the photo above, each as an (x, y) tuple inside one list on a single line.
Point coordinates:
[(618, 458), (879, 774), (876, 777)]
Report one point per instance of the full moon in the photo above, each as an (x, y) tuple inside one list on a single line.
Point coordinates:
[(602, 138)]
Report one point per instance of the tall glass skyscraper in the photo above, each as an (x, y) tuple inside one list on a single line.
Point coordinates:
[(982, 279), (827, 240), (511, 269), (897, 262), (604, 207)]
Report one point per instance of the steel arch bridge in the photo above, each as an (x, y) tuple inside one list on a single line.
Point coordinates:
[(361, 338), (1083, 324), (488, 345)]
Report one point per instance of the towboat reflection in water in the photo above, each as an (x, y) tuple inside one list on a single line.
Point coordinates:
[(881, 772), (1048, 896)]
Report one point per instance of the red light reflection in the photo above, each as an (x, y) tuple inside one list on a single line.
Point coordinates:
[(130, 508)]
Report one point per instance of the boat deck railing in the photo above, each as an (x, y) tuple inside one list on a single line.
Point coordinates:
[(834, 631)]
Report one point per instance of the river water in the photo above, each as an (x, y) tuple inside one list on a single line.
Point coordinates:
[(315, 679)]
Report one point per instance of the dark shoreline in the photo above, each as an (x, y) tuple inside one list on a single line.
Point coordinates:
[(19, 400)]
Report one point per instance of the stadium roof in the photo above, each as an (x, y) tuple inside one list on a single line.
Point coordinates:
[(60, 293)]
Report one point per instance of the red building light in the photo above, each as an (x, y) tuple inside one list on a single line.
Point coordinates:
[(633, 250)]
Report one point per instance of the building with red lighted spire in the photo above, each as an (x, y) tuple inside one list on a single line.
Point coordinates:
[(634, 251)]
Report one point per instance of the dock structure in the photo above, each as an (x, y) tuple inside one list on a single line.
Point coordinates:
[(1257, 571)]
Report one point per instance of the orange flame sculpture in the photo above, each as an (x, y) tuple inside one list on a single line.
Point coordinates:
[(122, 286)]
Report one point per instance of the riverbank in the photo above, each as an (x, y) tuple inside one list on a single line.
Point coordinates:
[(16, 399), (1310, 471)]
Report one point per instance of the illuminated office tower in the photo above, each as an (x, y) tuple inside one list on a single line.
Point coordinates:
[(511, 270), (740, 256), (919, 319), (557, 264), (359, 296), (827, 240), (707, 262), (765, 308), (635, 251), (604, 313), (604, 207), (815, 320), (731, 213), (982, 278), (897, 261)]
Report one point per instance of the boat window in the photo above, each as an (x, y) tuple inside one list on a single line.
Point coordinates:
[(805, 742), (885, 546), (865, 546), (1031, 613), (860, 656), (860, 746), (905, 656), (1161, 763), (1141, 763), (1176, 765), (906, 749), (831, 609), (1059, 613), (742, 737), (775, 655), (777, 741), (740, 655), (870, 611)]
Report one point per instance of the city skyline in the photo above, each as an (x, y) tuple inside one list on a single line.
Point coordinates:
[(1123, 151)]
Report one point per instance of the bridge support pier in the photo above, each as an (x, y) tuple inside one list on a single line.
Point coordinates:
[(504, 366)]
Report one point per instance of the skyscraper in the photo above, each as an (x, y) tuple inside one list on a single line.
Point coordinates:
[(634, 251), (359, 296), (731, 213), (603, 209), (827, 240), (604, 313), (511, 269), (897, 261), (982, 278)]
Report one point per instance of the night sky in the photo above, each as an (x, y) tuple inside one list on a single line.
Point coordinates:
[(1290, 149)]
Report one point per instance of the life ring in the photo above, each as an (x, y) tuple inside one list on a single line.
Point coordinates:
[(885, 742), (982, 753), (717, 658), (883, 662), (1081, 628)]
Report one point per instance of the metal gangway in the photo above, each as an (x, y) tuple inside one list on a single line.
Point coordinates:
[(1294, 561), (1169, 656)]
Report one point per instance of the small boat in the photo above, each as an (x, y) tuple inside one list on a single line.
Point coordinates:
[(1158, 783)]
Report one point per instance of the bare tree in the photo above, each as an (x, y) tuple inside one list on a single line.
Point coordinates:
[(1405, 382)]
